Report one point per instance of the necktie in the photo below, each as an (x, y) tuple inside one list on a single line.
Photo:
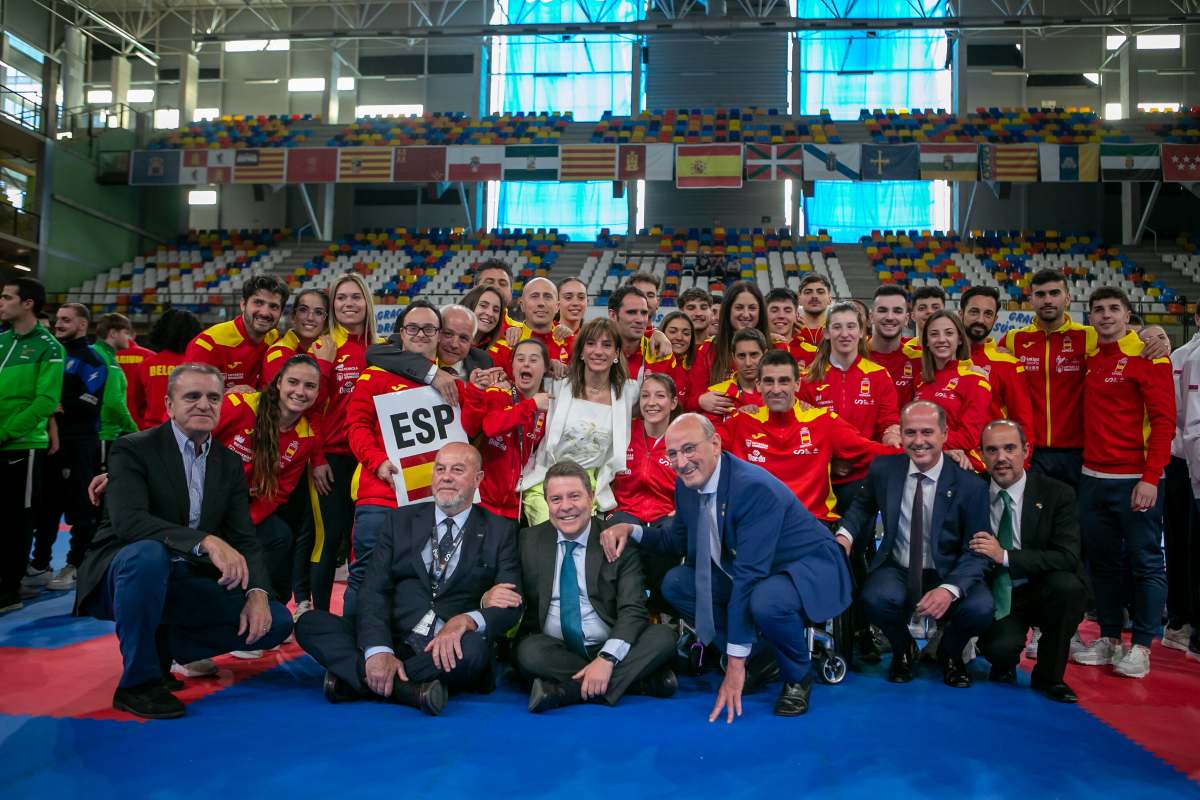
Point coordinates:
[(570, 617), (1002, 585), (447, 541), (916, 540), (706, 628)]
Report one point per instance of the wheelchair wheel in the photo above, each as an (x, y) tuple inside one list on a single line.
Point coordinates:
[(832, 669)]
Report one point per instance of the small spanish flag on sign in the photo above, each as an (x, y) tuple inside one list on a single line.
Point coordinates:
[(418, 475), (708, 166)]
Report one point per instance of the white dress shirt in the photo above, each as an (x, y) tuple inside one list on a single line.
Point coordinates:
[(595, 630), (460, 521), (1016, 496)]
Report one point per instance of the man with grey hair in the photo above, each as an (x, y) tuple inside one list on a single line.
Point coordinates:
[(176, 562), (931, 509), (456, 354)]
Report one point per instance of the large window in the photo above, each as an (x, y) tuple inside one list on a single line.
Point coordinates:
[(845, 72), (583, 75)]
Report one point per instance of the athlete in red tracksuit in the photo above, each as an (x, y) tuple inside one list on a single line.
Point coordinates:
[(966, 397), (230, 349), (512, 425), (1010, 392)]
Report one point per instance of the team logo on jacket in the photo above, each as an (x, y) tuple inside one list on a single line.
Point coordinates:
[(1068, 346), (864, 388), (232, 365), (290, 453), (805, 437), (951, 384), (908, 370)]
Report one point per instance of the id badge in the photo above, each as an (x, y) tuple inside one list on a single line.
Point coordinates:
[(423, 627)]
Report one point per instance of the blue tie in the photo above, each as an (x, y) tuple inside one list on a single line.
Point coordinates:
[(570, 616), (706, 628)]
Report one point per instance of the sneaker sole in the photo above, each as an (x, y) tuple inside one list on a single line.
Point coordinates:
[(12, 607), (1139, 676), (168, 715), (1092, 662)]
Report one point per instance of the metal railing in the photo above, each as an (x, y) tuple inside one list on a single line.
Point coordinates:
[(21, 108), (19, 223)]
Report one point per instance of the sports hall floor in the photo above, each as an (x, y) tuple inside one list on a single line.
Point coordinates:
[(262, 729)]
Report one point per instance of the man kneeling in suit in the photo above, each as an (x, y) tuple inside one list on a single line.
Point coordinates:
[(424, 622), (757, 560), (590, 638)]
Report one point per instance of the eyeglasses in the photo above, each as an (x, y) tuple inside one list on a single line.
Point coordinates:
[(427, 330), (687, 451), (305, 311)]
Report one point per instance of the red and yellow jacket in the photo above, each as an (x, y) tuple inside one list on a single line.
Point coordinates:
[(1129, 411), (797, 446), (277, 355), (644, 357), (1055, 369), (513, 428), (904, 365), (239, 412), (739, 396), (646, 489), (812, 336), (129, 359), (559, 349), (966, 397), (802, 350), (226, 347), (337, 384), (365, 437), (697, 376), (862, 395)]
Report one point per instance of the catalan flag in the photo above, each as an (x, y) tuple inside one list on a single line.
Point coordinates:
[(417, 472), (588, 162), (708, 166), (365, 164), (265, 165), (1016, 163)]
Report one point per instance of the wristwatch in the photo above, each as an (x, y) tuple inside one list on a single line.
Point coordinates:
[(610, 658)]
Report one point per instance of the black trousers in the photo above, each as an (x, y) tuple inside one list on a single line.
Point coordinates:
[(333, 518), (543, 656), (333, 642), (65, 478), (1054, 603), (276, 537), (861, 553), (654, 565), (1178, 529), (1061, 463), (20, 491)]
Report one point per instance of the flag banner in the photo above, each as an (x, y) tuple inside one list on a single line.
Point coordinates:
[(206, 166), (774, 162), (708, 166), (421, 165), (259, 166), (1069, 163), (891, 162), (531, 162), (154, 167), (416, 423), (950, 162), (1130, 162), (832, 162), (365, 164), (1016, 163), (1181, 162), (474, 162), (588, 162), (312, 165)]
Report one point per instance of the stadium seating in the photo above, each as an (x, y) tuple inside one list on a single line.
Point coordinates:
[(453, 128), (988, 125), (241, 131), (707, 125), (1184, 129)]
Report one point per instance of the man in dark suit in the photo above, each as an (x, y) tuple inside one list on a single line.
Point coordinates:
[(456, 356), (591, 637), (1035, 563), (425, 622), (175, 590), (931, 509), (757, 560)]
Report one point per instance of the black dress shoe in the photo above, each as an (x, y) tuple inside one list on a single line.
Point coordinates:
[(337, 690), (761, 669), (954, 673), (904, 664), (429, 698), (868, 648), (1058, 692), (793, 700), (1002, 674), (661, 684), (149, 701), (546, 694), (171, 683)]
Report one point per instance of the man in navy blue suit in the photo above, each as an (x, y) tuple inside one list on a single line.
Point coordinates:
[(756, 560), (931, 509)]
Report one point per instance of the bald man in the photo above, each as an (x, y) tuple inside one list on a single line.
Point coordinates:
[(425, 623)]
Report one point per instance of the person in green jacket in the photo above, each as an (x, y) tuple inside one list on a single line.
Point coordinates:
[(31, 376), (113, 333)]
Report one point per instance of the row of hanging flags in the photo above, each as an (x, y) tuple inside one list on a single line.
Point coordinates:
[(692, 166)]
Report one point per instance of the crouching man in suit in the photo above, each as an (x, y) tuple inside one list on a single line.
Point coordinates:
[(424, 621), (590, 638)]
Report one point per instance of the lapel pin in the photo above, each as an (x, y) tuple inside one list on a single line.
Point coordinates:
[(949, 493), (1038, 506)]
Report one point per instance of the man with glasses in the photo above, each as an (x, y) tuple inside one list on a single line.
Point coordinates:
[(756, 560), (419, 330)]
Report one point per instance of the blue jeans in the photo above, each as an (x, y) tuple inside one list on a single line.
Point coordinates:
[(1112, 531), (1061, 463), (151, 596), (368, 522)]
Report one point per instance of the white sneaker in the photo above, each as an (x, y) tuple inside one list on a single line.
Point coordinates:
[(1031, 648), (1100, 652), (1077, 645), (305, 606), (1177, 638), (248, 655), (1135, 663), (195, 669), (36, 578), (64, 580)]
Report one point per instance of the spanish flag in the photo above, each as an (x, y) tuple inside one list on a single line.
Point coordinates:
[(708, 166), (418, 475)]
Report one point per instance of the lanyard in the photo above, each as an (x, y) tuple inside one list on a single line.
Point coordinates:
[(439, 561)]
